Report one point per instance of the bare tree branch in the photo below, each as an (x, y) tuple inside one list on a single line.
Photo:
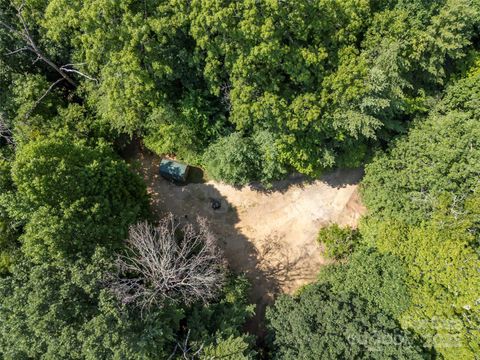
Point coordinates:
[(168, 263), (185, 350), (39, 100), (25, 48), (25, 35), (69, 68), (5, 132)]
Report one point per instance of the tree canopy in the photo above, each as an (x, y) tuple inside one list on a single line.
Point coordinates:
[(325, 89), (319, 325), (423, 198), (248, 90)]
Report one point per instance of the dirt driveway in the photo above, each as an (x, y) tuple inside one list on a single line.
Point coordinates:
[(269, 236)]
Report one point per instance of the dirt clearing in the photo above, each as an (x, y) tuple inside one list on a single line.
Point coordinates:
[(269, 236)]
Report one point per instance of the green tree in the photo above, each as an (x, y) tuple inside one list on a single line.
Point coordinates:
[(318, 324), (8, 232), (65, 191), (339, 242), (61, 312), (321, 88), (233, 159), (325, 88), (380, 279), (272, 166), (442, 267), (217, 329), (424, 209), (440, 154)]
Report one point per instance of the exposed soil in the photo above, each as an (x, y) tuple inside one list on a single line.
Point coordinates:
[(268, 235)]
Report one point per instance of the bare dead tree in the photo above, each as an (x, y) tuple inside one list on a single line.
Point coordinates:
[(23, 33), (168, 262)]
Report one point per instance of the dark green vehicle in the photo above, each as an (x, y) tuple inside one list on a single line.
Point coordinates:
[(174, 171)]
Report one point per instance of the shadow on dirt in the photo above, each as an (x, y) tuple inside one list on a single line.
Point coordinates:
[(343, 177), (338, 178), (267, 267)]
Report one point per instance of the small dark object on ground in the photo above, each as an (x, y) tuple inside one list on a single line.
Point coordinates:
[(216, 204)]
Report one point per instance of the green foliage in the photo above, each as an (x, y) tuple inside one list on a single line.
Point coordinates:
[(442, 279), (60, 312), (226, 316), (318, 324), (306, 79), (271, 165), (237, 159), (380, 279), (167, 135), (150, 63), (440, 154), (232, 159), (339, 242), (233, 348), (423, 198), (324, 88), (249, 89), (8, 232), (217, 327), (66, 190)]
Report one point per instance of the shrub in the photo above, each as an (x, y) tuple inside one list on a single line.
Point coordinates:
[(339, 242), (272, 168), (233, 159)]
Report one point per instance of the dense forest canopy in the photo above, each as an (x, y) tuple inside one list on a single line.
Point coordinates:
[(324, 81), (249, 90)]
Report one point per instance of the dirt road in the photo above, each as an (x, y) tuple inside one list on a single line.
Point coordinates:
[(269, 236)]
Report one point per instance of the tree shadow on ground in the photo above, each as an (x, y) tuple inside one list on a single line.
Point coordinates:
[(337, 178), (273, 262), (340, 178), (268, 265)]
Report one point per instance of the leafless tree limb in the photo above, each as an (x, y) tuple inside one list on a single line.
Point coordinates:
[(30, 45), (5, 132), (168, 263), (69, 68), (17, 51), (185, 350), (39, 100)]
